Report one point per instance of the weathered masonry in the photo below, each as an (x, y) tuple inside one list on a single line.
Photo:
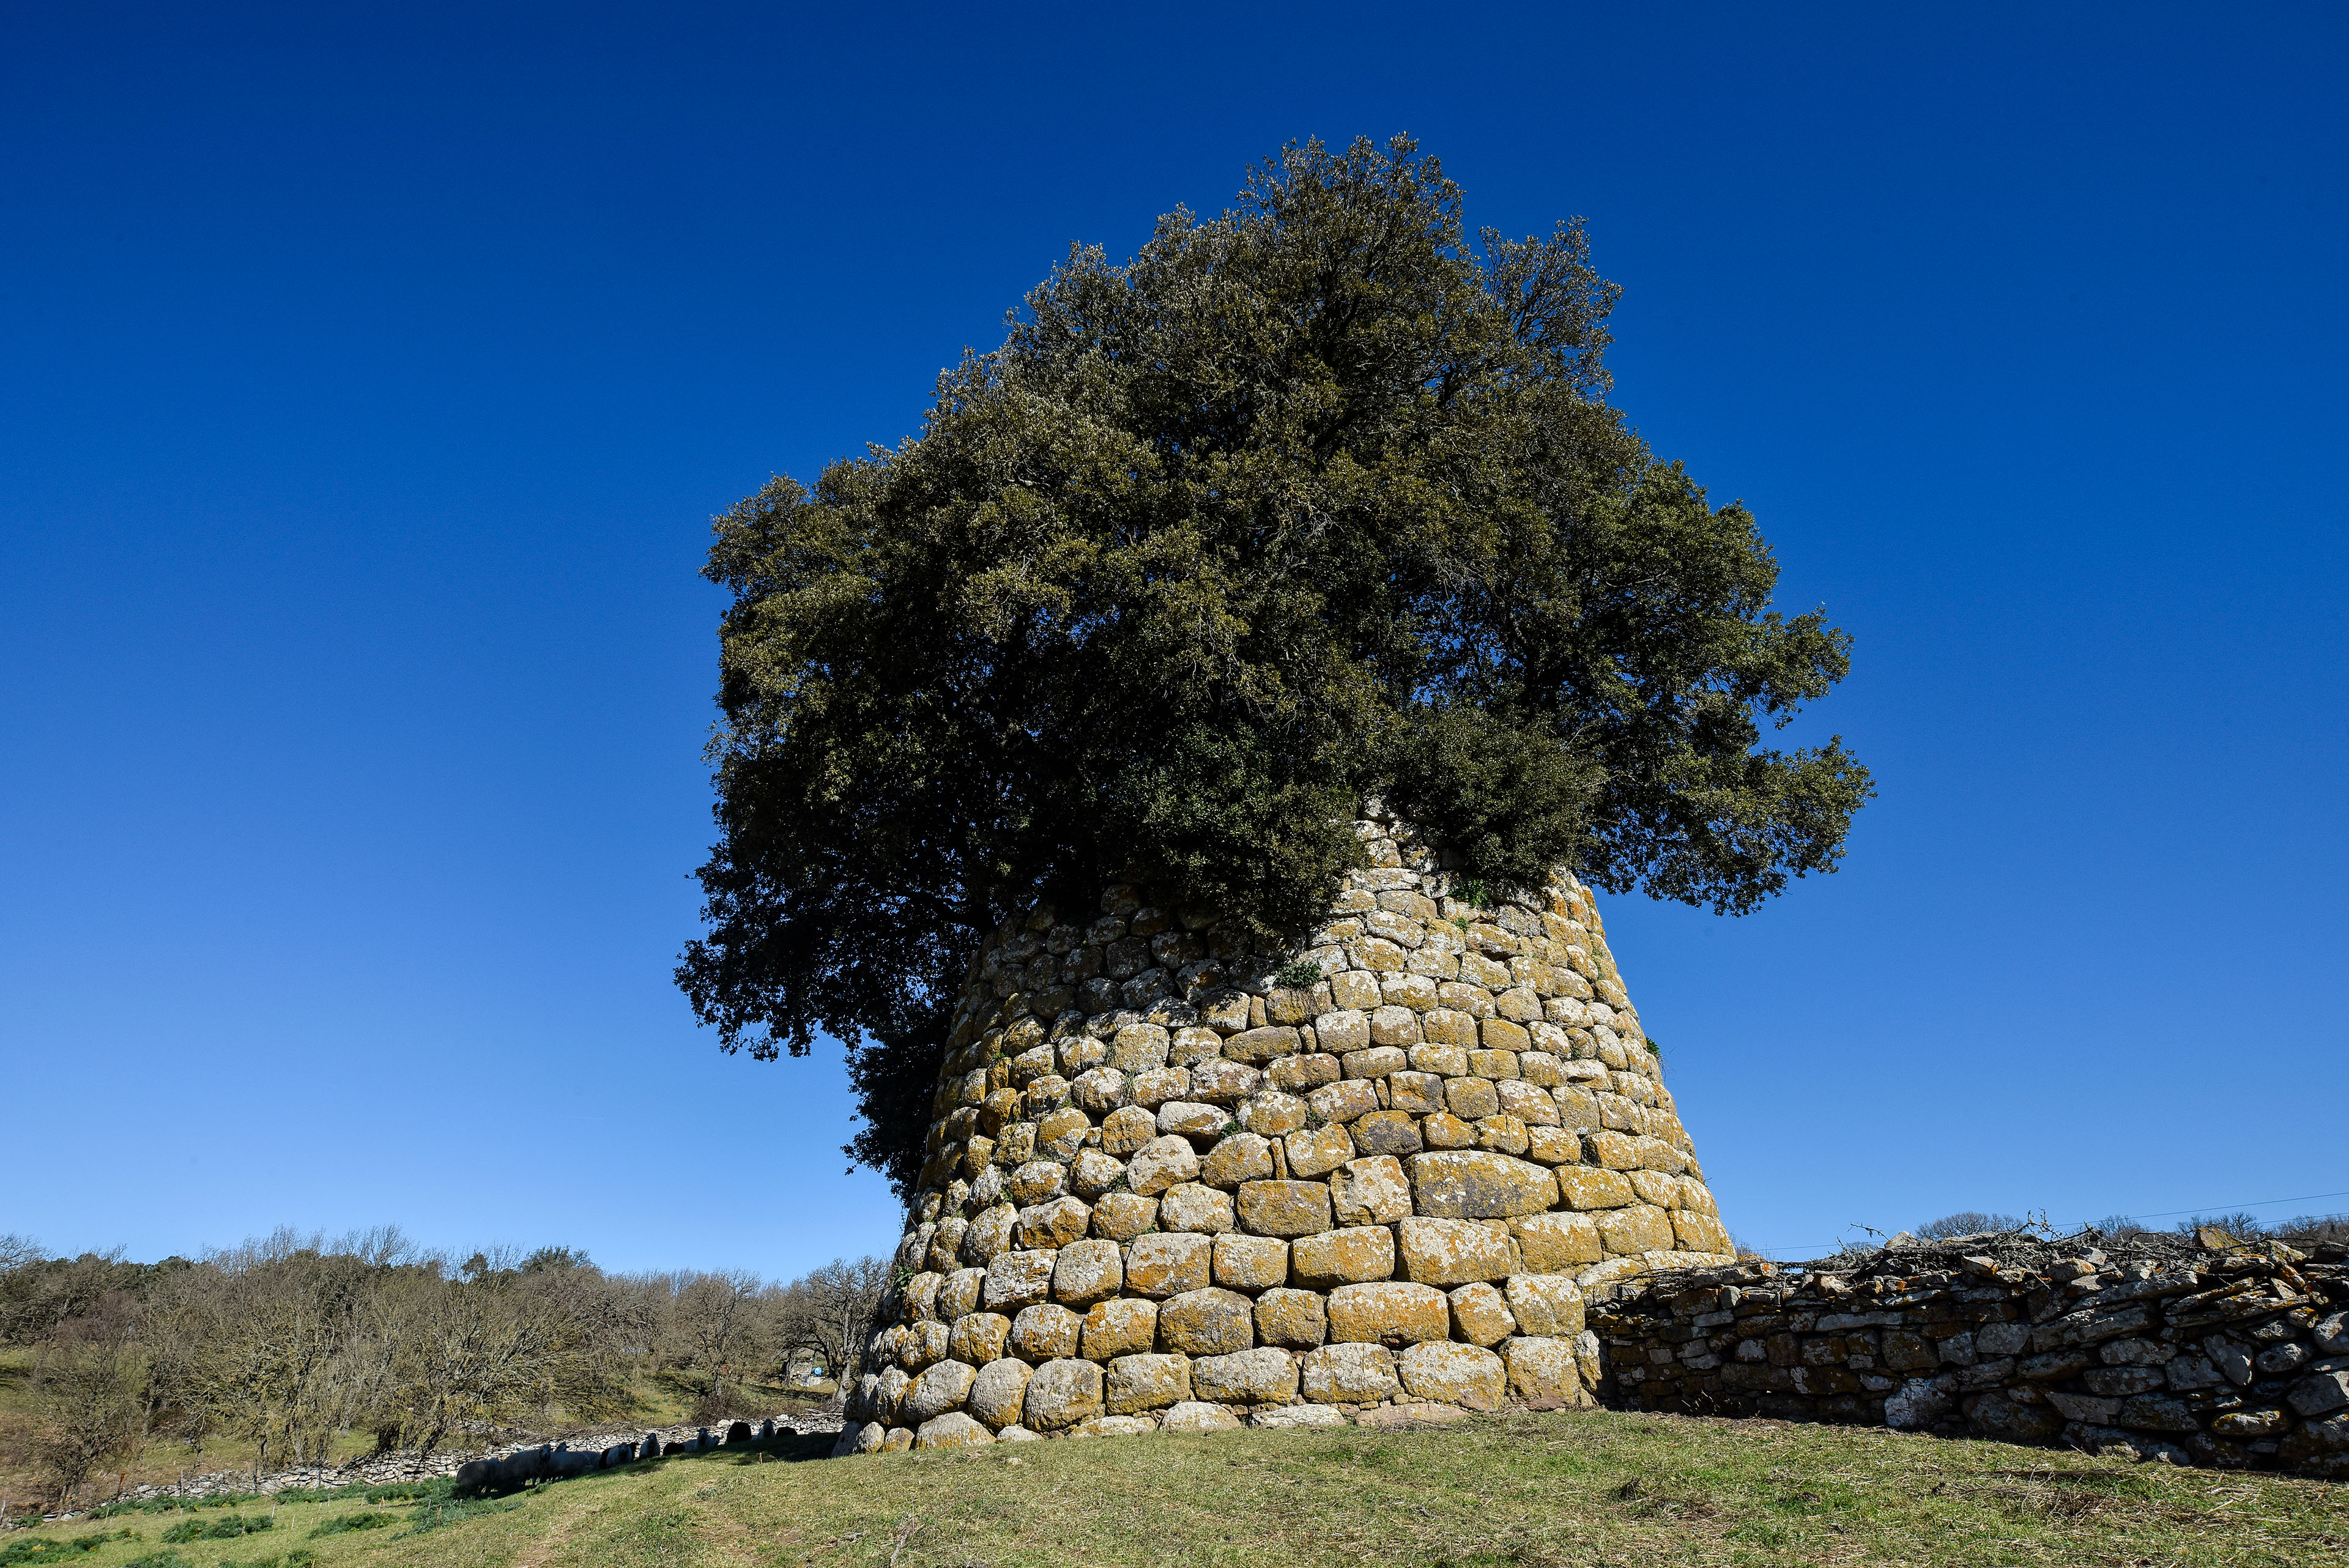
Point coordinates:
[(1173, 1182), (2235, 1357)]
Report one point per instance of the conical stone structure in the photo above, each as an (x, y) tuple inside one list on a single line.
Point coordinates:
[(1173, 1182)]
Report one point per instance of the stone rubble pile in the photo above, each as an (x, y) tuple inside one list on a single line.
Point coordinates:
[(1172, 1182), (2161, 1349)]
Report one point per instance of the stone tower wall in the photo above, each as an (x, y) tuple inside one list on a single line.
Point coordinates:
[(1170, 1181)]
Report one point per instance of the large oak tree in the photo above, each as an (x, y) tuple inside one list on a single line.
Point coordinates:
[(1314, 499)]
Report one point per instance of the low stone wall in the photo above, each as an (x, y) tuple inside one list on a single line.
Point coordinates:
[(407, 1465), (2156, 1347)]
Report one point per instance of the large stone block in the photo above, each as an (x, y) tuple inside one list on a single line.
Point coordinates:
[(998, 1392), (1558, 1243), (1370, 1191), (1126, 1327), (1193, 1206), (1700, 1232), (1265, 1375), (1386, 1132), (1317, 1151), (1250, 1263), (1045, 1225), (1087, 1272), (1122, 1216), (1547, 1305), (1393, 1312), (1168, 1263), (1586, 1188), (1160, 1164), (1352, 1374), (977, 1338), (1045, 1333), (959, 1294), (1237, 1157), (1480, 1314), (952, 1430), (1464, 1374), (1350, 1256), (940, 1387), (1541, 1370), (1297, 1319), (1146, 1382), (1016, 1280), (1284, 1208), (1639, 1227), (924, 1343), (1453, 1252), (1191, 1416), (1473, 1184), (1061, 1395), (1210, 1322)]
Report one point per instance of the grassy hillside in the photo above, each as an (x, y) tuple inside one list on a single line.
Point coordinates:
[(1581, 1488), (656, 1398)]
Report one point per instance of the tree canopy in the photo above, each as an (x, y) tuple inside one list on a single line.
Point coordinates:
[(1314, 499)]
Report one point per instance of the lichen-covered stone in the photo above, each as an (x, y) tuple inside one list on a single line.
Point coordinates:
[(978, 1337), (1453, 1252), (959, 1294), (924, 1343), (1193, 1206), (1585, 1188), (1284, 1208), (1125, 1326), (1541, 1370), (1237, 1157), (1168, 1263), (1210, 1322), (1127, 1129), (941, 1387), (1636, 1229), (1122, 1216), (997, 1392), (1700, 1232), (1480, 1315), (1113, 1427), (1350, 1256), (1546, 1304), (1018, 1278), (952, 1430), (1054, 1224), (1464, 1374), (1296, 1319), (1191, 1416), (1061, 1395), (1557, 1242), (1250, 1263), (1145, 1382), (1392, 1313), (1087, 1272), (1160, 1164), (1349, 1374), (1045, 1333), (1265, 1375), (1372, 1190), (1317, 1151), (1461, 1184), (1386, 1132)]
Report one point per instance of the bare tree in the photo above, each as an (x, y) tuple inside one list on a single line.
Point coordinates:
[(830, 1311), (90, 1383), (723, 1323)]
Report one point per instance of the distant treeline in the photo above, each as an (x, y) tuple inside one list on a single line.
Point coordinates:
[(290, 1343)]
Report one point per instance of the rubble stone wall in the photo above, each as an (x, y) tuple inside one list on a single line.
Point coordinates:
[(1173, 1181), (2213, 1356)]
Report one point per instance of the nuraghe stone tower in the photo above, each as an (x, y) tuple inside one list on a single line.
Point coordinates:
[(1165, 1190)]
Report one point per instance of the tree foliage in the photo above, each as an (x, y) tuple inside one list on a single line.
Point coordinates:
[(1313, 499)]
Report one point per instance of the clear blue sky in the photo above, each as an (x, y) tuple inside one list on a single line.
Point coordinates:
[(368, 375)]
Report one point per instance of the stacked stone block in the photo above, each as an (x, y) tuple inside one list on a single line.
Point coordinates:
[(1173, 1181), (2230, 1358)]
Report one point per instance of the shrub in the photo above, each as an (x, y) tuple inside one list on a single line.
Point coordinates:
[(363, 1519)]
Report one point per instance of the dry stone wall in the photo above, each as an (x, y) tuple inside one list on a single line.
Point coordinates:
[(1175, 1182), (2230, 1357)]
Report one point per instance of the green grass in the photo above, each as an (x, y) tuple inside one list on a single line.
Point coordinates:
[(1590, 1489)]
